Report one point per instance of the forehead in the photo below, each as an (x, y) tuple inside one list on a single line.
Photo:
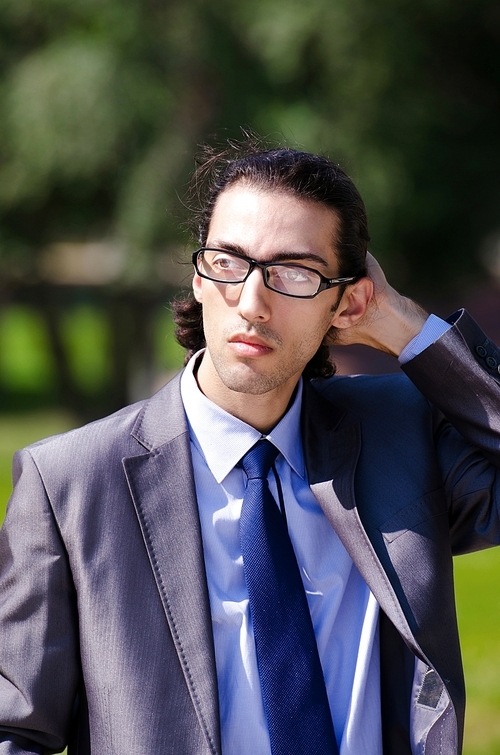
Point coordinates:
[(265, 222)]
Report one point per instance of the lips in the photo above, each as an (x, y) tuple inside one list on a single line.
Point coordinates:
[(247, 345)]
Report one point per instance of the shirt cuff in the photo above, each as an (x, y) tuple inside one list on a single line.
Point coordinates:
[(433, 328)]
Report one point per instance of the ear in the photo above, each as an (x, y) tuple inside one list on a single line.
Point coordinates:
[(197, 288), (353, 304)]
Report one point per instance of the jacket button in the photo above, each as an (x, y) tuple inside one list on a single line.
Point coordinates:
[(491, 362), (481, 351)]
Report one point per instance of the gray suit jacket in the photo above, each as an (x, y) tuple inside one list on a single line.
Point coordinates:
[(105, 621)]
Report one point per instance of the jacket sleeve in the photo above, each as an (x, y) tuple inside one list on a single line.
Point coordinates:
[(39, 658), (459, 374)]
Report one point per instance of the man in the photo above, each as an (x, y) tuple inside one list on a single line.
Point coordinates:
[(131, 607)]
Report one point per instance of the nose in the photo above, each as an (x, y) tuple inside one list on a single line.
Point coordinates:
[(253, 303)]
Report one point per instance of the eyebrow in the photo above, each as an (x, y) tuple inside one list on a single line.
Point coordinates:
[(278, 257)]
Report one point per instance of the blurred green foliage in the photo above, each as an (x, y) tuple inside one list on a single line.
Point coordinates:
[(27, 372), (87, 341), (102, 103), (169, 354), (25, 364)]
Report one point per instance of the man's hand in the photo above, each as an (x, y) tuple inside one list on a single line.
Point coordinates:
[(383, 318)]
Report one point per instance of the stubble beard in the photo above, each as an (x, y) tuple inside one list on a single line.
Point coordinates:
[(245, 377)]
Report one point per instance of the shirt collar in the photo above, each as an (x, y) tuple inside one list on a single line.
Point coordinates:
[(223, 439)]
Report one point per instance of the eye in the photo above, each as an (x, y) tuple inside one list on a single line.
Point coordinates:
[(222, 262), (295, 275), (227, 262), (224, 266), (293, 280)]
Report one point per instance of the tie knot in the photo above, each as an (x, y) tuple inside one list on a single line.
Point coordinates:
[(258, 461)]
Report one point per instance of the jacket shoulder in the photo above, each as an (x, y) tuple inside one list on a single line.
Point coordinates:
[(135, 429), (100, 432), (364, 394)]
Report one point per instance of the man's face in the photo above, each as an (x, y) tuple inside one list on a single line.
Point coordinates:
[(259, 341)]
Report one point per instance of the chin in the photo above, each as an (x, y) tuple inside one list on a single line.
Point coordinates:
[(244, 379), (254, 385)]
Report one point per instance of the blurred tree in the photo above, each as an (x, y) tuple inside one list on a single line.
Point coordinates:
[(103, 101), (407, 96)]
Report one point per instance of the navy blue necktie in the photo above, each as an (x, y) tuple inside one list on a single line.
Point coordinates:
[(291, 678)]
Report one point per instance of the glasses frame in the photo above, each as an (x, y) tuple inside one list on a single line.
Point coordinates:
[(324, 284)]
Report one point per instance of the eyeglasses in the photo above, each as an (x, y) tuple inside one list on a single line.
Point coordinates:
[(290, 280)]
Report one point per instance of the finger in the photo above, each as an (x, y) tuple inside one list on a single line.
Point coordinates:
[(376, 273)]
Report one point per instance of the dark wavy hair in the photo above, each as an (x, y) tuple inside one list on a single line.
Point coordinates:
[(313, 178)]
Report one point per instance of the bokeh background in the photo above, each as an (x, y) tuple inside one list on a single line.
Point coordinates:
[(102, 104)]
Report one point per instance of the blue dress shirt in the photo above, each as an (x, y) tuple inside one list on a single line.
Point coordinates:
[(343, 610)]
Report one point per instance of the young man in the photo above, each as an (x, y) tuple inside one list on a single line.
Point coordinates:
[(156, 599)]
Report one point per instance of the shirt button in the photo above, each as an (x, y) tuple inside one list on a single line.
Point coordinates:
[(491, 362), (481, 351)]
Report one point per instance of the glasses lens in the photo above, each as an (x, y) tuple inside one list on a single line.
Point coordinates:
[(294, 281), (222, 266)]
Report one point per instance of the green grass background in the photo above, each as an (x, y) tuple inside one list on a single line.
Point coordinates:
[(478, 595)]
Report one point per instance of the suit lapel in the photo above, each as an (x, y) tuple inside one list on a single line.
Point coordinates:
[(162, 488), (331, 447)]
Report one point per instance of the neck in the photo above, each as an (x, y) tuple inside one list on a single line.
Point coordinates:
[(262, 411)]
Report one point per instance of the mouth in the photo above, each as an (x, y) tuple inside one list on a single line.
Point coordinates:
[(249, 346)]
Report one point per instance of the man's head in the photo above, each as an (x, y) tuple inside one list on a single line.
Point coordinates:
[(303, 175), (299, 174), (271, 206)]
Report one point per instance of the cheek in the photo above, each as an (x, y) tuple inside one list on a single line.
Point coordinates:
[(323, 322), (306, 331)]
